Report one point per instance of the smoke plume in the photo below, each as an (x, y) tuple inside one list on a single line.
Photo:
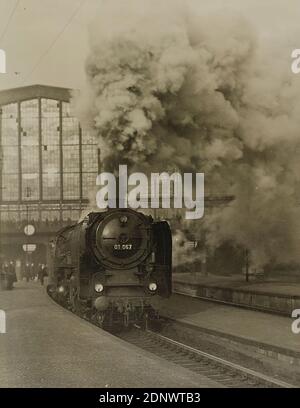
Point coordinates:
[(169, 87)]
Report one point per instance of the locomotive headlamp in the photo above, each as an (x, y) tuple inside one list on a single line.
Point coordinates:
[(99, 287), (61, 289), (123, 219), (152, 286)]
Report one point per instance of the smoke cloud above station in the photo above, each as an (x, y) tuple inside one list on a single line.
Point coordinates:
[(169, 87)]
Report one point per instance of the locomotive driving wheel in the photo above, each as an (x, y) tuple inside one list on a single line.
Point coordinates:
[(72, 299), (98, 318)]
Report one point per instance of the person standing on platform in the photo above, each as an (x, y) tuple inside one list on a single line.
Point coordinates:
[(42, 273), (32, 271), (27, 271), (12, 271)]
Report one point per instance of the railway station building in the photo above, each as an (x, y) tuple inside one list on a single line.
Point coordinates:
[(48, 166)]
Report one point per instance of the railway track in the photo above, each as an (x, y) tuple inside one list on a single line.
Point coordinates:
[(226, 373), (237, 305)]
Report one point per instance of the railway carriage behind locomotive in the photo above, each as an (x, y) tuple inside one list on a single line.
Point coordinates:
[(109, 266)]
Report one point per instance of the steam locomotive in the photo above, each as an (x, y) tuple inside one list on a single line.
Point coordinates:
[(109, 266)]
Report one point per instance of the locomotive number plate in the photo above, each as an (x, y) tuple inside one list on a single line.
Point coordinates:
[(123, 247)]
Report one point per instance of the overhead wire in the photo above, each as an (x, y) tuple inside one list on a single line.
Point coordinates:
[(52, 44), (9, 20)]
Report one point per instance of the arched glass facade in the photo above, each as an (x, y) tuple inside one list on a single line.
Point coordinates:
[(49, 166)]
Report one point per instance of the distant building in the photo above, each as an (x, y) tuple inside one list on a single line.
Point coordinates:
[(48, 168)]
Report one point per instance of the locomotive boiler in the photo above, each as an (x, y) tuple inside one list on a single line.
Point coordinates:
[(109, 266)]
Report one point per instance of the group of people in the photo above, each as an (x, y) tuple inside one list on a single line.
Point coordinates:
[(30, 271), (35, 272), (7, 274)]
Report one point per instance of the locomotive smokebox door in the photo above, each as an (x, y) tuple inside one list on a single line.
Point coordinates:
[(123, 239)]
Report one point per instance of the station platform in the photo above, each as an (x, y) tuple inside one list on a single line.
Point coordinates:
[(271, 295), (263, 334), (47, 346)]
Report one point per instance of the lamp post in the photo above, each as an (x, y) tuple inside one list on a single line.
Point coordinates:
[(1, 167), (28, 195), (247, 264), (1, 170), (99, 160)]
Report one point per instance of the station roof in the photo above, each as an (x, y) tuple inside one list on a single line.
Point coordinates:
[(34, 91)]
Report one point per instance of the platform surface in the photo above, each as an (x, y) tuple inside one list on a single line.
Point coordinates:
[(238, 282), (47, 346), (250, 325)]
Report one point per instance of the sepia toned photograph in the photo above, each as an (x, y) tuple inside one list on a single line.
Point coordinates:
[(149, 197)]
